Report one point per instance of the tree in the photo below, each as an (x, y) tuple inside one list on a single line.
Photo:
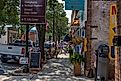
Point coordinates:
[(9, 13), (60, 20), (53, 8)]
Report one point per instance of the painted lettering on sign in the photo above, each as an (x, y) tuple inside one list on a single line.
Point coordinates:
[(114, 10), (33, 11), (112, 27)]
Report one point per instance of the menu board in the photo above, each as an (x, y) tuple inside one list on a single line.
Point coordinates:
[(35, 60)]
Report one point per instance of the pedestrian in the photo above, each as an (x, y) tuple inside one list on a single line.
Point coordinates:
[(70, 51)]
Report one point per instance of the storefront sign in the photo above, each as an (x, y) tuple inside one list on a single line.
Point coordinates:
[(74, 4), (76, 22), (32, 11), (113, 25)]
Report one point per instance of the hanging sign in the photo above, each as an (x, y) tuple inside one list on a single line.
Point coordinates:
[(32, 11), (112, 27), (74, 4), (76, 22)]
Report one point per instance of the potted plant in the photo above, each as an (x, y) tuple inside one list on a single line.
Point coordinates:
[(76, 60)]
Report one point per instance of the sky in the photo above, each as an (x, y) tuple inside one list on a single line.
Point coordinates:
[(68, 12)]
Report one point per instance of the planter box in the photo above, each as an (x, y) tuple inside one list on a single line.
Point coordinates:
[(77, 69)]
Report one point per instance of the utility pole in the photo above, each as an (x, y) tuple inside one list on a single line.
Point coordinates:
[(27, 52), (27, 31), (117, 48), (88, 36)]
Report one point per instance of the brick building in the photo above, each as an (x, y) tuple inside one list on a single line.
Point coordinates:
[(11, 34), (100, 23)]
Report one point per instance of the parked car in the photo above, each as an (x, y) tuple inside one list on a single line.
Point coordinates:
[(47, 45), (48, 48), (12, 52)]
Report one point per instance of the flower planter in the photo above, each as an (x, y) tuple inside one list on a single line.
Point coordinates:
[(76, 60), (77, 69)]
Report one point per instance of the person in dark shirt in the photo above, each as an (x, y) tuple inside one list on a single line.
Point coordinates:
[(68, 37), (70, 51)]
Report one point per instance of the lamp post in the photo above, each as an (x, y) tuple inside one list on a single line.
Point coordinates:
[(26, 69)]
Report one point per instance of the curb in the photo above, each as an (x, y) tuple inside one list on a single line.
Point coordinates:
[(19, 74)]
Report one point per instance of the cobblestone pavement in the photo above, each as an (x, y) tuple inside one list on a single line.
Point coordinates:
[(59, 69)]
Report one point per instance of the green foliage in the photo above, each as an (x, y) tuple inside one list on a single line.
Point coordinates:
[(9, 12), (76, 58), (55, 10)]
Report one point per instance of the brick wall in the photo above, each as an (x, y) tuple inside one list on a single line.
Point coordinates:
[(100, 18)]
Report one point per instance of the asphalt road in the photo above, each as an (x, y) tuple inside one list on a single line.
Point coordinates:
[(9, 66)]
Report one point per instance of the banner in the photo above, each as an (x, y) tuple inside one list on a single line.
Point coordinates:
[(74, 4), (113, 25)]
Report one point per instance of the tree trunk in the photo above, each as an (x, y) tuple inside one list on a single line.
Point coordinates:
[(88, 36), (41, 38)]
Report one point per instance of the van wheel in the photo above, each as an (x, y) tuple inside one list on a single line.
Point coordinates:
[(3, 60)]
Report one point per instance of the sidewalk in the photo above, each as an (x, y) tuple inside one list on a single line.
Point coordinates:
[(59, 69)]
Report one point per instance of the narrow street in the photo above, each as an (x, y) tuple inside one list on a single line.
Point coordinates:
[(59, 69)]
